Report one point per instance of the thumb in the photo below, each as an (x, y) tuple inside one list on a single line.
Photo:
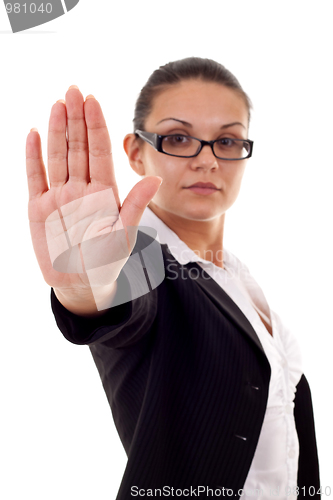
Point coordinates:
[(137, 200)]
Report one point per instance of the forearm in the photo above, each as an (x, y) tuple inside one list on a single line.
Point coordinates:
[(83, 302)]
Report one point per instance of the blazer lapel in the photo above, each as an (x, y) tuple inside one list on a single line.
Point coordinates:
[(224, 302)]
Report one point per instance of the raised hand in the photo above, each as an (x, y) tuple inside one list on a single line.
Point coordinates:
[(78, 226)]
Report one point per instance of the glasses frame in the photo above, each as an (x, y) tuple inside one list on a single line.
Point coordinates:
[(155, 140)]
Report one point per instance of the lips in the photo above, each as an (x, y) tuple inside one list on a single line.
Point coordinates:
[(203, 185)]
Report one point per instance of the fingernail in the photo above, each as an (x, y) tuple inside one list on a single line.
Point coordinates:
[(73, 87), (61, 100), (90, 96), (33, 130), (160, 178)]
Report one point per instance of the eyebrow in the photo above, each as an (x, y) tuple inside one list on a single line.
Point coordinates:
[(189, 125)]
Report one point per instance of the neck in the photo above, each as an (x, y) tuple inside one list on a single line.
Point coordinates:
[(205, 238)]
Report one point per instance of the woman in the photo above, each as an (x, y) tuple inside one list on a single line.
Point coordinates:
[(204, 381)]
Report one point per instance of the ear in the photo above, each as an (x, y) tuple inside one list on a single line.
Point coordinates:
[(134, 152)]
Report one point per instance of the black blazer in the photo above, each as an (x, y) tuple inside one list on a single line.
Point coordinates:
[(181, 367)]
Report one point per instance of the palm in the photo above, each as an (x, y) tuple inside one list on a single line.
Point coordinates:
[(78, 167)]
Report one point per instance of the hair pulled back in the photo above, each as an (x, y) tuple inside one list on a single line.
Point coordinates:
[(184, 69)]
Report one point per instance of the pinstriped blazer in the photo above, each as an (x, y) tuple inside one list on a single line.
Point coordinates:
[(180, 367)]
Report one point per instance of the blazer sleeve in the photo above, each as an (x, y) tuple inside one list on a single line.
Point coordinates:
[(308, 480), (119, 327)]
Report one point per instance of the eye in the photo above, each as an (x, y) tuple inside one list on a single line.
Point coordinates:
[(230, 148), (225, 142), (177, 139), (179, 145)]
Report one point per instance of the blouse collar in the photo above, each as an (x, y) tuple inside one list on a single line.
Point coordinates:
[(180, 251)]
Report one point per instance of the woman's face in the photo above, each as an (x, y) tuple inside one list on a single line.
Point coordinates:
[(207, 111)]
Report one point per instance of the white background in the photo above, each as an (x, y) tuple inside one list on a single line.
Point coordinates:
[(58, 440)]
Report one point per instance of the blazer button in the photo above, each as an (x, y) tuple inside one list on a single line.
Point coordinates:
[(240, 437), (255, 387)]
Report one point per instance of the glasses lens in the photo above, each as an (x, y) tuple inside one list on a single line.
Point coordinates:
[(180, 145), (233, 149)]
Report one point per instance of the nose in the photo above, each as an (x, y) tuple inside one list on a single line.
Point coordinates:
[(205, 160)]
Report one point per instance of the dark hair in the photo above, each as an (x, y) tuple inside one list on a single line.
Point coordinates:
[(177, 71)]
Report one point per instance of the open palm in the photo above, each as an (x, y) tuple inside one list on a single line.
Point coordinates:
[(81, 201)]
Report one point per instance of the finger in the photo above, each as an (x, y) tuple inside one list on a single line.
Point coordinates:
[(57, 145), (36, 173), (100, 155), (137, 200), (78, 161)]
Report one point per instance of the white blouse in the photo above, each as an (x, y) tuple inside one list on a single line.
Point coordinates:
[(273, 472)]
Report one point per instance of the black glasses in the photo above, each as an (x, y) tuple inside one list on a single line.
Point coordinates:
[(185, 146)]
